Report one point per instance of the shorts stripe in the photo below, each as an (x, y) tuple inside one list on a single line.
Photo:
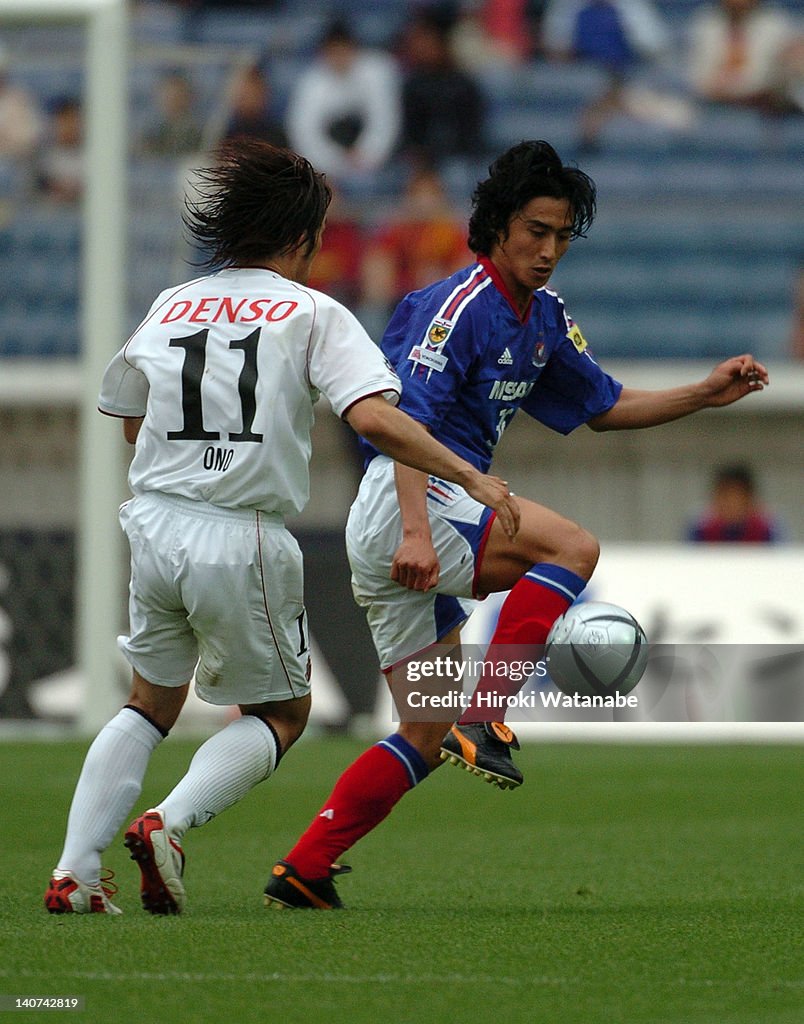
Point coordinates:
[(265, 605), (448, 613), (480, 552)]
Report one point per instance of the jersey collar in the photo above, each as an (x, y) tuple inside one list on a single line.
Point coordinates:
[(499, 284)]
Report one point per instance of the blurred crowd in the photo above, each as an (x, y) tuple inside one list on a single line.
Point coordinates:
[(419, 104)]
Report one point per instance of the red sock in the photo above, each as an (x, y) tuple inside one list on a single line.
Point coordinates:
[(363, 796), (531, 608)]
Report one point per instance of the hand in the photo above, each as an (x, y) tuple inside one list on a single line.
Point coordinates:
[(734, 379), (491, 491), (415, 564)]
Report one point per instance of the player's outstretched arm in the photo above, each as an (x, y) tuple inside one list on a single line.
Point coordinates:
[(406, 441), (730, 381)]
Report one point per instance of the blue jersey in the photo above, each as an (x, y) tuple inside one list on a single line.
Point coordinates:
[(467, 362)]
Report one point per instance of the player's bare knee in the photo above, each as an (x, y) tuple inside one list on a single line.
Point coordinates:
[(288, 729), (287, 718), (159, 704), (586, 553), (576, 549)]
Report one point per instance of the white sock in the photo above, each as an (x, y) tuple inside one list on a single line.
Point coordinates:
[(221, 772), (107, 789)]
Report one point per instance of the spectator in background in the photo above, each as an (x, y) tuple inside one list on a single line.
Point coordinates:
[(21, 120), (250, 111), (735, 514), (175, 130), (336, 269), (61, 166), (442, 105), (494, 31), (738, 56), (618, 36), (424, 241), (344, 112)]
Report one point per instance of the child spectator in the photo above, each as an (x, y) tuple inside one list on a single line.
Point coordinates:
[(735, 514)]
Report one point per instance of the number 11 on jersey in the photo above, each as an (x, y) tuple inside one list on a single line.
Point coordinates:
[(195, 360)]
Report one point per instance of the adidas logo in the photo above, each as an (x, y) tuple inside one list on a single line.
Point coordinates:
[(505, 359)]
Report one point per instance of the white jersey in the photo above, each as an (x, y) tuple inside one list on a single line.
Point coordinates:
[(226, 369)]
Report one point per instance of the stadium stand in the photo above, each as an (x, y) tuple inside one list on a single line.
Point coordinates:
[(694, 253)]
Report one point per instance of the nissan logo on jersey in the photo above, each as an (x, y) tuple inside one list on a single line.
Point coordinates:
[(511, 390)]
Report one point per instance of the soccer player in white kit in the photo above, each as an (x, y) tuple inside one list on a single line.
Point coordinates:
[(216, 388)]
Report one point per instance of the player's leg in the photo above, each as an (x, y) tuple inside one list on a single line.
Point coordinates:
[(242, 590), (401, 622), (223, 770), (545, 567), (229, 764), (107, 789), (364, 795), (162, 650)]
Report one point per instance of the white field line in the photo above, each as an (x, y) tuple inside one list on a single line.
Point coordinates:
[(285, 977), (381, 978)]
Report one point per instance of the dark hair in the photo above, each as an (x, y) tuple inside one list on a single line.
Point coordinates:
[(338, 31), (64, 105), (738, 473), (437, 20), (522, 173), (257, 201)]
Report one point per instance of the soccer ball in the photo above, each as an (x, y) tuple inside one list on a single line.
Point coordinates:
[(596, 649)]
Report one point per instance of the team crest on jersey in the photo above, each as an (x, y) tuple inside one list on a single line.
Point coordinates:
[(430, 353), (539, 357), (438, 331), (577, 339)]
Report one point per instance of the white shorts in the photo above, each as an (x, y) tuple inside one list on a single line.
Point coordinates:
[(219, 592), (404, 622)]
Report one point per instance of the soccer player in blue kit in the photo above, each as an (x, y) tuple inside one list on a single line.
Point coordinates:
[(471, 350)]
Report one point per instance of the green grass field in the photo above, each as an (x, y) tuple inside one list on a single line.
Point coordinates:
[(620, 884)]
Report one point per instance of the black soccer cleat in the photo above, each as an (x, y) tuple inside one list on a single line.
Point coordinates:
[(286, 888), (484, 748)]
